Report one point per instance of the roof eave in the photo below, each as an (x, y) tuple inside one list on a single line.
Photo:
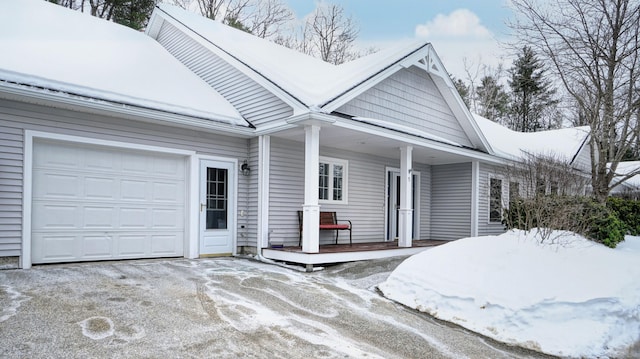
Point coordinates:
[(53, 98)]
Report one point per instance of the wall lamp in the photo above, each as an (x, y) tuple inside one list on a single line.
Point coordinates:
[(245, 169)]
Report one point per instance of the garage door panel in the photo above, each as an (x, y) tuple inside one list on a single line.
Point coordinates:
[(111, 203), (55, 216), (96, 247), (56, 247), (132, 245), (166, 219), (56, 185), (167, 192), (162, 244), (52, 156), (99, 218), (134, 190)]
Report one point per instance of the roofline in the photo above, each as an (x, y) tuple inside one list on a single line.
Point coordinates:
[(235, 58), (19, 92), (378, 73)]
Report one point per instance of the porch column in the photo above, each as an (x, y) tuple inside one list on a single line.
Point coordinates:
[(311, 209), (264, 163), (405, 215)]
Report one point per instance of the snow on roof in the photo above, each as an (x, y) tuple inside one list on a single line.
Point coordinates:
[(562, 143), (627, 167), (52, 48), (310, 80)]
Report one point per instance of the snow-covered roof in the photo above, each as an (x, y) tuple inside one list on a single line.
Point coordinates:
[(627, 167), (311, 81), (48, 48), (562, 143)]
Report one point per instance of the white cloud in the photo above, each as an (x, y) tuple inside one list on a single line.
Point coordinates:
[(459, 23), (460, 36)]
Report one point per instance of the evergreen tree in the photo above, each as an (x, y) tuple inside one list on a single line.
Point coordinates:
[(533, 103), (133, 13), (492, 98), (462, 88)]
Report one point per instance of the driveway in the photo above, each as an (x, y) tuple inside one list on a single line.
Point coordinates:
[(220, 308)]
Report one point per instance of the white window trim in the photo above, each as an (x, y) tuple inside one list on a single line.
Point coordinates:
[(504, 198), (345, 179)]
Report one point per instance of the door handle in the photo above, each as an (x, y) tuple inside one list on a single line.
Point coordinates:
[(202, 206)]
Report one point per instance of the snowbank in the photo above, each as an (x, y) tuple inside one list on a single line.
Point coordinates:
[(564, 296)]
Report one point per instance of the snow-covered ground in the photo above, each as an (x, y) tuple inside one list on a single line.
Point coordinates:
[(563, 295)]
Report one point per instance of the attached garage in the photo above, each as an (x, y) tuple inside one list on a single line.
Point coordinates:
[(99, 203)]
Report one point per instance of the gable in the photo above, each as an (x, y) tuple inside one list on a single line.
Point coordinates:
[(255, 103), (410, 98)]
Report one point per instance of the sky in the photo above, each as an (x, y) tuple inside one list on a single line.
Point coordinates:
[(458, 29)]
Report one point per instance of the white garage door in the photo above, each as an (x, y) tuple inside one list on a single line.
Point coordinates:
[(99, 203)]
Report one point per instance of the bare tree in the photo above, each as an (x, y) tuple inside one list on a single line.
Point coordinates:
[(212, 8), (267, 18), (593, 46), (329, 34)]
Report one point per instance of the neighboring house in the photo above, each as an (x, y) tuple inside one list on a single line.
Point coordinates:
[(631, 187), (196, 139)]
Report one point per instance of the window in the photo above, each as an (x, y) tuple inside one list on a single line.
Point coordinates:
[(217, 197), (333, 180), (495, 200)]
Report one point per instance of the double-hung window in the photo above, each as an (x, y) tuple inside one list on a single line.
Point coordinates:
[(333, 180), (495, 200)]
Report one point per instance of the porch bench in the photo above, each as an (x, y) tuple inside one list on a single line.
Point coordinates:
[(329, 222)]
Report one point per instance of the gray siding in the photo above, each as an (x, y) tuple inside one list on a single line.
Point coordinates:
[(425, 200), (17, 117), (451, 201), (11, 154), (409, 97), (254, 102), (366, 194), (486, 228)]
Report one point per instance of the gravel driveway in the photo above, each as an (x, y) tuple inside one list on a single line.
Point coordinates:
[(219, 308)]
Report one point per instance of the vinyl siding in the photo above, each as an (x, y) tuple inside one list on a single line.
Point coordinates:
[(254, 102), (486, 228), (16, 117), (365, 196), (451, 201), (11, 155), (409, 97)]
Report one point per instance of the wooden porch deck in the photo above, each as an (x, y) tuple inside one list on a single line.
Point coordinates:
[(363, 247), (340, 253)]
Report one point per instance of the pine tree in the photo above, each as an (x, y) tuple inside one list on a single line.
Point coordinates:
[(492, 98), (132, 13), (533, 103), (462, 88)]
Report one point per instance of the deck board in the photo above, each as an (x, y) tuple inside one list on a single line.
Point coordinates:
[(363, 247)]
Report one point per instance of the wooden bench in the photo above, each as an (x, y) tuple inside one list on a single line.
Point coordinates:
[(328, 222)]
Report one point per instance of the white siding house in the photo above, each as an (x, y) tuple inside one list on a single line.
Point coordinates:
[(213, 139)]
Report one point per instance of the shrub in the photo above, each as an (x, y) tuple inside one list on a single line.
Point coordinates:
[(578, 214), (629, 213)]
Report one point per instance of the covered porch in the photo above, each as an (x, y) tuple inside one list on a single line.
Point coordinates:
[(389, 191)]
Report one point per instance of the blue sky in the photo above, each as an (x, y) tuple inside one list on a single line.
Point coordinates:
[(458, 29)]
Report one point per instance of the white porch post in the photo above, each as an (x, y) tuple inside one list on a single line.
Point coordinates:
[(405, 220), (311, 209), (264, 162)]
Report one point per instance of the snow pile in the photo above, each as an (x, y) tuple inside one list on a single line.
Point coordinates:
[(563, 295)]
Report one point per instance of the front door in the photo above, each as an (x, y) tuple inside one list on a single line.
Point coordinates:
[(393, 204), (217, 207)]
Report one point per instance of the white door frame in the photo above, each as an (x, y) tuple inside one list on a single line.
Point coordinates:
[(231, 165), (416, 201), (27, 184)]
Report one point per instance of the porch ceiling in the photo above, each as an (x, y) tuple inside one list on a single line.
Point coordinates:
[(377, 145)]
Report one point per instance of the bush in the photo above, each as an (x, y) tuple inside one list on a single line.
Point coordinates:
[(629, 213), (581, 215)]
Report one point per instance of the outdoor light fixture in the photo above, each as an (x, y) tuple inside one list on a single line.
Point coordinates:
[(245, 169)]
